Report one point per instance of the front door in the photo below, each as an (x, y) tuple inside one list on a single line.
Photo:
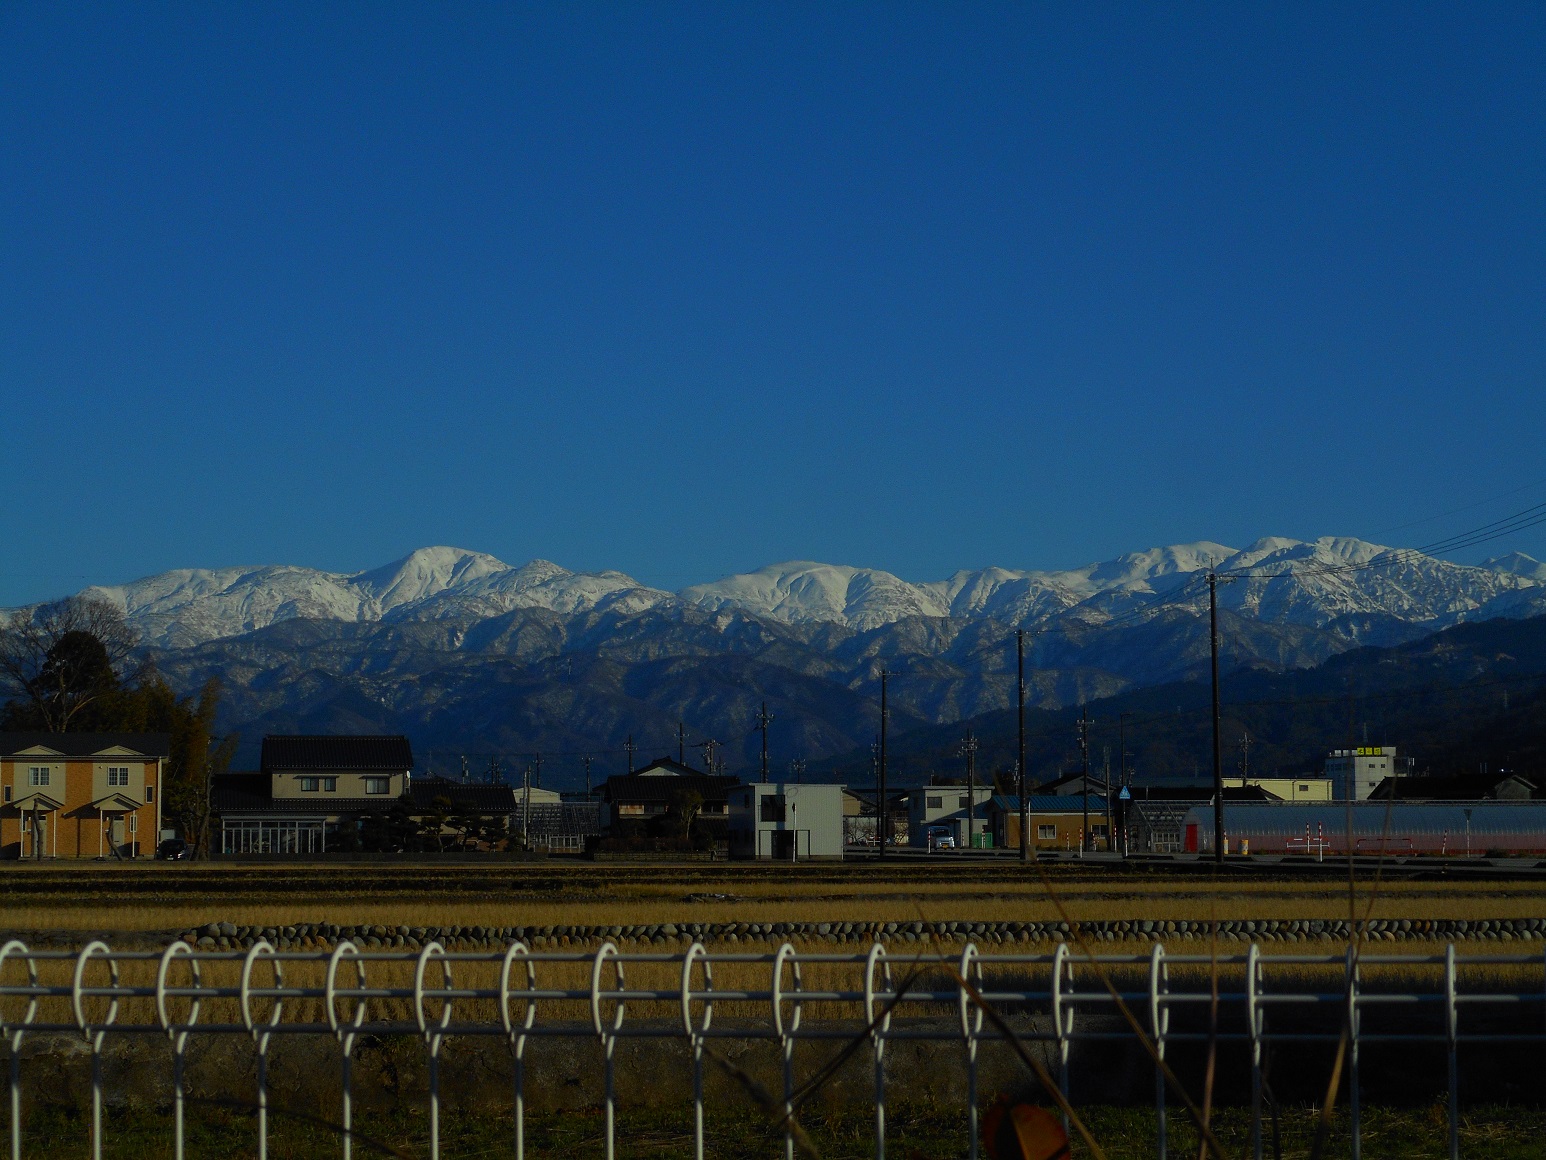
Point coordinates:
[(783, 844), (115, 831)]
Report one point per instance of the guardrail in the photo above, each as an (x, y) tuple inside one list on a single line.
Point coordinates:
[(178, 1001)]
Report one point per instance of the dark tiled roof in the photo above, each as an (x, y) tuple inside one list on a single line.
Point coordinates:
[(1461, 787), (669, 767), (464, 797), (338, 752), (639, 788), (87, 744)]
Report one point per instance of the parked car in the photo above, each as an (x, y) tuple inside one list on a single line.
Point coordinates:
[(174, 850), (939, 838)]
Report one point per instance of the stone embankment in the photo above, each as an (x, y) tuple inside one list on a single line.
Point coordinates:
[(322, 935)]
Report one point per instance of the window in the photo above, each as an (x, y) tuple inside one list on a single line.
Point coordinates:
[(150, 793), (1304, 788), (38, 775), (1046, 833), (772, 809), (962, 802), (118, 775), (378, 785), (329, 785), (1097, 829), (935, 803), (310, 784), (7, 793)]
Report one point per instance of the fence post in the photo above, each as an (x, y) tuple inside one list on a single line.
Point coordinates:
[(1452, 1032), (1062, 1023), (608, 1035), (177, 1033), (971, 1030), (78, 1002), (878, 1027), (696, 1032), (434, 1035), (346, 1032), (1353, 1016), (1254, 1016), (1159, 1026), (261, 1033), (786, 1035), (516, 1037), (14, 1032)]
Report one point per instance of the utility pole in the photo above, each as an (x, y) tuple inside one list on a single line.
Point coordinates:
[(1084, 752), (797, 770), (628, 748), (526, 807), (883, 813), (764, 719), (681, 743), (1025, 837), (587, 760), (1106, 784), (1218, 761), (536, 769), (1245, 755), (969, 750), (1122, 777), (466, 773)]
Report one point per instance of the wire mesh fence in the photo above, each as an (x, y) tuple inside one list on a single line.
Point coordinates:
[(858, 1003)]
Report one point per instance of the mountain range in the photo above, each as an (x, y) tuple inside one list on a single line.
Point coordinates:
[(470, 655)]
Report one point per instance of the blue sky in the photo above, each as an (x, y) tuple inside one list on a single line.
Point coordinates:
[(682, 290)]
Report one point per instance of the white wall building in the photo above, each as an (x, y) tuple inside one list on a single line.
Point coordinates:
[(946, 805), (1355, 772), (786, 822)]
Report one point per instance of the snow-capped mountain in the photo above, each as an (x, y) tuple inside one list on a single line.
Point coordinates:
[(1276, 579), (1520, 565), (1322, 583), (189, 606)]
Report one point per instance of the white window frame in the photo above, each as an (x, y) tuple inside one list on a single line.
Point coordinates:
[(38, 775), (1042, 834), (117, 775), (378, 785)]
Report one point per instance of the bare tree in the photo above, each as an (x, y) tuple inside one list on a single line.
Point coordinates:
[(64, 656)]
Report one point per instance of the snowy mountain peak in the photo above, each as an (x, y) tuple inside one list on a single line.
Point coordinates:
[(1518, 564), (1314, 583), (426, 572)]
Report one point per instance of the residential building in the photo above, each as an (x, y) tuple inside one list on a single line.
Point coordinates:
[(1309, 788), (1500, 786), (81, 795), (931, 806), (1355, 772), (1055, 821), (308, 787), (649, 792), (786, 822)]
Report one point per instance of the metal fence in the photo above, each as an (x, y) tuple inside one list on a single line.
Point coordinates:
[(898, 1001)]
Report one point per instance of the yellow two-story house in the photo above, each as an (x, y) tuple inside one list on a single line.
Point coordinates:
[(81, 795)]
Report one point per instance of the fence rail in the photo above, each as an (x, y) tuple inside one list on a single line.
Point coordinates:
[(900, 997)]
